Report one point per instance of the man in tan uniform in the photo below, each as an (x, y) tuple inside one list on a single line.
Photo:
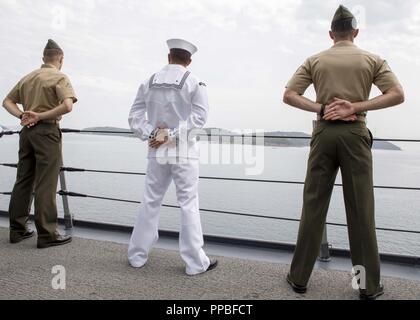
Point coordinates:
[(342, 76), (45, 94)]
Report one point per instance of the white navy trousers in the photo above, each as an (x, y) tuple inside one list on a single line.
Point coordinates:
[(145, 234)]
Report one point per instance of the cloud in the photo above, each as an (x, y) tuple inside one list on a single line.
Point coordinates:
[(102, 84), (248, 49)]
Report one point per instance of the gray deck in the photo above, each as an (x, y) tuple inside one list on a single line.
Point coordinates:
[(99, 270)]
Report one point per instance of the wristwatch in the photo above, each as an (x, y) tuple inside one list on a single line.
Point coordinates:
[(321, 113), (152, 135)]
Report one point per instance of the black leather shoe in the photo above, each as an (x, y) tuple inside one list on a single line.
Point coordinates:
[(61, 240), (364, 296), (16, 239), (296, 288), (213, 265)]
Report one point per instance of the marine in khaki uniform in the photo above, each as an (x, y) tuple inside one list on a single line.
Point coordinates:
[(45, 94), (342, 76)]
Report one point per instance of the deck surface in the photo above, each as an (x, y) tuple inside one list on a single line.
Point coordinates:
[(99, 270)]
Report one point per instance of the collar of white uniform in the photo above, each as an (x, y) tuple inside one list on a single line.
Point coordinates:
[(171, 76), (344, 43), (176, 66)]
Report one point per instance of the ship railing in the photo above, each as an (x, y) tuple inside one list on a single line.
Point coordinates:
[(324, 254)]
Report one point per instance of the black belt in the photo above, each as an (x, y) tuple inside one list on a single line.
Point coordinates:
[(48, 122), (360, 118)]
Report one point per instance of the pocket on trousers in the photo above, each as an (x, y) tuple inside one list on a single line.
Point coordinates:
[(315, 133), (365, 134), (51, 135)]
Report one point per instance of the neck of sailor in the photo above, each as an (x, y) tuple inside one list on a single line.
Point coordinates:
[(174, 61)]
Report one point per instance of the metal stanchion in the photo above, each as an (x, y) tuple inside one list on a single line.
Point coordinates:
[(324, 253), (68, 218)]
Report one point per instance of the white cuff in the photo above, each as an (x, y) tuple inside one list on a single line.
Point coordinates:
[(173, 134), (150, 132)]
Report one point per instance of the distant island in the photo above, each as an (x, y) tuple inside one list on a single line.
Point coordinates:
[(112, 131), (269, 142)]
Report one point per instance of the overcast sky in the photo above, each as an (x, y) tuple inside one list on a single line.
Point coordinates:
[(247, 52)]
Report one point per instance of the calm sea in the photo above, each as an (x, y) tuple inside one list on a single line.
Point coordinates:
[(394, 209)]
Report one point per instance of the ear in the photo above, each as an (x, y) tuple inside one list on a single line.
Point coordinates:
[(189, 62), (355, 33), (332, 35), (169, 58), (43, 59)]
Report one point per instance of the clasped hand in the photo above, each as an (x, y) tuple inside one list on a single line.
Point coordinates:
[(340, 109), (160, 137), (29, 119)]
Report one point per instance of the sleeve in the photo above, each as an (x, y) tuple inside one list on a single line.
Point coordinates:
[(199, 110), (64, 90), (14, 94), (302, 78), (137, 118), (384, 78)]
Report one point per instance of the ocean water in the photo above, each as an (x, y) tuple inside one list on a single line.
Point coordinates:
[(394, 208)]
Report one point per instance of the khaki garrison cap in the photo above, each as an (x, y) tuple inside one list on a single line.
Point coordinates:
[(52, 45), (341, 16)]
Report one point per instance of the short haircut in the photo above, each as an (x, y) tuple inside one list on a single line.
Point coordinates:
[(52, 54), (180, 56), (343, 28)]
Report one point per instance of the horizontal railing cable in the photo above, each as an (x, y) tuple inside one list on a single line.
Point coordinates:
[(71, 169), (8, 133), (81, 195), (73, 194), (230, 135), (111, 132)]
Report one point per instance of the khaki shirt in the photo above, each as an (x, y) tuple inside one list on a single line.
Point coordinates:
[(42, 90), (343, 71)]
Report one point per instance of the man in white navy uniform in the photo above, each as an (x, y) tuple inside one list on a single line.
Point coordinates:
[(167, 103)]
